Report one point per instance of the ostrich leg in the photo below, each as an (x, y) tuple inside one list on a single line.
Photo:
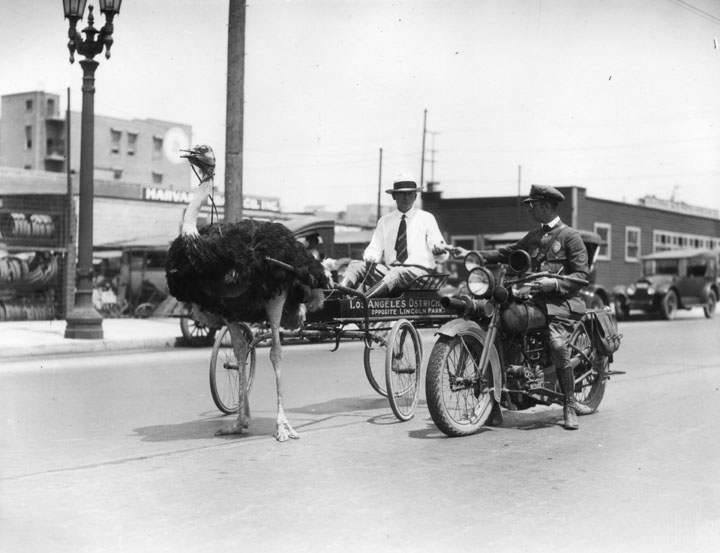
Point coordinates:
[(274, 310), (240, 347)]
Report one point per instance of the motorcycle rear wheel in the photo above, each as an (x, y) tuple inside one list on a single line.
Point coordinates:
[(459, 398), (590, 373)]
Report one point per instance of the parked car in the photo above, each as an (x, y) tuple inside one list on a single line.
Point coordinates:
[(672, 280)]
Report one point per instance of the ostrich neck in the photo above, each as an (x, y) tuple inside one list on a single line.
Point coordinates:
[(189, 223)]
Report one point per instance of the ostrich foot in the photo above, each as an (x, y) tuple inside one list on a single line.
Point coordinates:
[(238, 427), (284, 431)]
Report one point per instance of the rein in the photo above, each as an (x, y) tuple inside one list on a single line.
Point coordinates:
[(214, 210)]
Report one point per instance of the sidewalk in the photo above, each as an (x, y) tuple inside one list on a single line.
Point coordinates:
[(47, 338)]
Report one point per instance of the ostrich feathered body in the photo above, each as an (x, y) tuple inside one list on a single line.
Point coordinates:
[(223, 269)]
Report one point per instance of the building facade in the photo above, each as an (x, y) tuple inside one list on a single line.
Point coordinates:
[(627, 231), (33, 137)]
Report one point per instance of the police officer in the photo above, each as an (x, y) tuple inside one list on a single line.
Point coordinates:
[(556, 248)]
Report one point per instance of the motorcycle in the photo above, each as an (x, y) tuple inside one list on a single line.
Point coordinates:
[(496, 351)]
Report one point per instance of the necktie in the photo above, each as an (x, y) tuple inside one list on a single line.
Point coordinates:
[(401, 242)]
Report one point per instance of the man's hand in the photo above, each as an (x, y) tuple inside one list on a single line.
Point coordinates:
[(545, 285), (439, 249), (369, 258)]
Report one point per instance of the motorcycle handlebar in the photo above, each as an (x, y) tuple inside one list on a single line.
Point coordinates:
[(533, 276)]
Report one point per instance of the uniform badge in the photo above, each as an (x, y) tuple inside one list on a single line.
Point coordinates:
[(556, 246)]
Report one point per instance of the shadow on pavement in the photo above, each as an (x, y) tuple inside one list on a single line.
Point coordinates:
[(512, 420), (203, 429), (341, 405)]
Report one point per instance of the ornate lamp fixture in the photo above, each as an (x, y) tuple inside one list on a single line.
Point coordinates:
[(83, 321), (91, 46)]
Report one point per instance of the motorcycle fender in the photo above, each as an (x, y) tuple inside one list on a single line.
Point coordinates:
[(464, 327)]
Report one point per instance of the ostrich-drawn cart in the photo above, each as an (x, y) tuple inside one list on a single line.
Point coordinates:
[(245, 272), (388, 326)]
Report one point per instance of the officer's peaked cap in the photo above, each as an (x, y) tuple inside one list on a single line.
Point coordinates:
[(546, 193)]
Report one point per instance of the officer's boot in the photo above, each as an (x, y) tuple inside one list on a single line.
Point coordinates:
[(496, 416), (566, 381)]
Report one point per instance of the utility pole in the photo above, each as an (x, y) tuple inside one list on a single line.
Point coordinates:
[(433, 134), (422, 155), (422, 159), (234, 115), (519, 196), (379, 187), (69, 283)]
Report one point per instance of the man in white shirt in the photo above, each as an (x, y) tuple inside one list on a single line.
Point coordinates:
[(403, 245)]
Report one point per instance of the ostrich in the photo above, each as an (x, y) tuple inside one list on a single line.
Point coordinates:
[(223, 271)]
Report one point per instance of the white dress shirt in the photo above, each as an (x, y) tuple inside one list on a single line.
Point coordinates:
[(423, 234)]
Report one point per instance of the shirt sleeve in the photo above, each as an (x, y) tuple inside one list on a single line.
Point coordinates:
[(433, 235), (577, 265), (374, 251)]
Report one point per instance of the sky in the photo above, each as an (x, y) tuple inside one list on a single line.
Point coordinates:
[(621, 97)]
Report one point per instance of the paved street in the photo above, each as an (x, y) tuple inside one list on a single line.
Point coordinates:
[(117, 453)]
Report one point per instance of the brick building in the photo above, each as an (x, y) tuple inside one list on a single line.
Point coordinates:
[(627, 230)]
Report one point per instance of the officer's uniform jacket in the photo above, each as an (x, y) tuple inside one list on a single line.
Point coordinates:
[(561, 251)]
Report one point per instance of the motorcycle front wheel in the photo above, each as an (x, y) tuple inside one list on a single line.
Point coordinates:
[(459, 396)]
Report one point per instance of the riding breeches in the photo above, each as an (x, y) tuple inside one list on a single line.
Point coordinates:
[(394, 277)]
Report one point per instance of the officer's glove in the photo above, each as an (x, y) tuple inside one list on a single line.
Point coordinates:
[(545, 285)]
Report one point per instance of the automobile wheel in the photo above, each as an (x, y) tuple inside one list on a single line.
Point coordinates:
[(709, 307), (669, 305), (622, 313), (597, 302)]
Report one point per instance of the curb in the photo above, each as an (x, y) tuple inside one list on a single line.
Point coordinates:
[(87, 346)]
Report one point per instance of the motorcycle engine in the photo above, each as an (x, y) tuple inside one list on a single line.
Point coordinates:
[(525, 361)]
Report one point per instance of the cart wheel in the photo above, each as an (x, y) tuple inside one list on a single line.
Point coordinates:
[(195, 333), (374, 357), (225, 370), (142, 311), (403, 368)]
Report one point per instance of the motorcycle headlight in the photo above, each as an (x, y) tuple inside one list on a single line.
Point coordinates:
[(472, 261), (480, 282), (651, 291), (630, 290)]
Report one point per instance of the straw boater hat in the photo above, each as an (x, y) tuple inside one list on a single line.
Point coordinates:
[(403, 184)]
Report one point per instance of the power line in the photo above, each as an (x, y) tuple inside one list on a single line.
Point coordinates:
[(696, 10)]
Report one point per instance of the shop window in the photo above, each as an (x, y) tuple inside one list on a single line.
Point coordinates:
[(469, 242), (115, 137), (157, 147), (632, 244), (157, 178), (132, 143), (604, 249), (28, 137)]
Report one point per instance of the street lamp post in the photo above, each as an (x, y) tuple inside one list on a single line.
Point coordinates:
[(83, 321)]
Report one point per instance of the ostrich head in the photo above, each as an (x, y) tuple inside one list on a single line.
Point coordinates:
[(202, 160)]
